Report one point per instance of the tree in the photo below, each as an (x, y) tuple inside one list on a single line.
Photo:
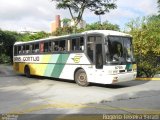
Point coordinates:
[(146, 40), (35, 36), (94, 26), (154, 18), (104, 26), (38, 35), (63, 31), (77, 7), (158, 2), (7, 39), (66, 20)]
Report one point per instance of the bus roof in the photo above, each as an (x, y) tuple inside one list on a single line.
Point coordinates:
[(107, 32), (104, 32)]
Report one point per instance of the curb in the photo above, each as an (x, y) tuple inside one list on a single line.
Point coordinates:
[(147, 79)]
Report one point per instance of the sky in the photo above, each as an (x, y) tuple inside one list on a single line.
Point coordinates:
[(37, 15)]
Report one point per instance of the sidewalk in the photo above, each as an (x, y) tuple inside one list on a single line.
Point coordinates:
[(156, 77)]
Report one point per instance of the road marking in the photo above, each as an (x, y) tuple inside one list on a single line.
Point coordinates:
[(16, 108), (80, 106), (47, 106), (56, 104), (147, 78), (80, 117)]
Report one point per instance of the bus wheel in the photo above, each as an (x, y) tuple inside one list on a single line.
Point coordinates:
[(27, 71), (81, 78)]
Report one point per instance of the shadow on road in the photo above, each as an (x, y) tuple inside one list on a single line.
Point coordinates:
[(121, 85), (112, 86), (10, 73), (41, 78)]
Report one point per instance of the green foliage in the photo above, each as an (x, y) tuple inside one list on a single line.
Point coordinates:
[(94, 26), (158, 2), (4, 59), (66, 20), (78, 6), (104, 26), (35, 36), (8, 38), (63, 31), (146, 38), (154, 18)]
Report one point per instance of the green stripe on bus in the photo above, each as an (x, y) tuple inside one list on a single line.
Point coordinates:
[(61, 61), (50, 67)]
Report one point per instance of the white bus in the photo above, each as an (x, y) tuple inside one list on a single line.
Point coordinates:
[(98, 56)]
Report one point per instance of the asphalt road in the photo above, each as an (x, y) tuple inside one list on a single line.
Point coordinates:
[(49, 98)]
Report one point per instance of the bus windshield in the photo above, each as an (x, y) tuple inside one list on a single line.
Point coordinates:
[(119, 49)]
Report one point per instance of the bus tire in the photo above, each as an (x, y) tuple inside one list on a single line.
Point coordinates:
[(81, 78), (27, 71)]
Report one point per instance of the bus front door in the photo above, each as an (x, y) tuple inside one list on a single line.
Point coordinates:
[(98, 56), (95, 55)]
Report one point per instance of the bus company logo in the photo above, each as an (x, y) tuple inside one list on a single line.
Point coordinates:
[(28, 59), (76, 59)]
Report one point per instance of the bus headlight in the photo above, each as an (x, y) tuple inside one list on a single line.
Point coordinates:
[(112, 72)]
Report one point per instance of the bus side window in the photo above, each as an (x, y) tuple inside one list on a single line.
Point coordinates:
[(73, 48), (27, 49), (56, 46), (19, 49), (36, 48), (81, 46), (77, 44), (31, 48), (22, 49), (62, 45), (46, 47), (49, 47), (52, 46)]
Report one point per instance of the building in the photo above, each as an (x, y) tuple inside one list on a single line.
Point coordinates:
[(64, 23), (56, 24)]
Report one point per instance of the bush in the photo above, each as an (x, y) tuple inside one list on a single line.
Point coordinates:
[(146, 40), (4, 59)]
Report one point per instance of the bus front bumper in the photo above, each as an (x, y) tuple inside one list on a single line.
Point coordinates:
[(122, 77)]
